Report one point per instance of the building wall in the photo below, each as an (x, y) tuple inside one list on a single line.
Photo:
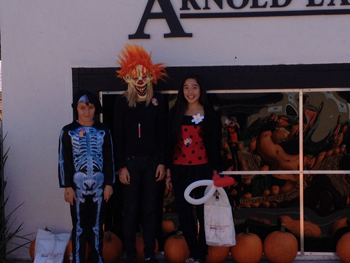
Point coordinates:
[(42, 40)]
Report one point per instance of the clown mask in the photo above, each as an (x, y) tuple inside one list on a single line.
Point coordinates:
[(139, 78)]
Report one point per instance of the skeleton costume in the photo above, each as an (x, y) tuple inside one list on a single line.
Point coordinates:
[(140, 120), (86, 164)]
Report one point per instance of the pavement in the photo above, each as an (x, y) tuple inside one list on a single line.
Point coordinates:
[(323, 258)]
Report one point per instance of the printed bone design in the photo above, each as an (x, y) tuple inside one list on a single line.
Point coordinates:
[(87, 145)]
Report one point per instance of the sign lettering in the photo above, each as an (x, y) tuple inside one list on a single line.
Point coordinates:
[(190, 9)]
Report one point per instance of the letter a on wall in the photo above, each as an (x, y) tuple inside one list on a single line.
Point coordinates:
[(168, 13)]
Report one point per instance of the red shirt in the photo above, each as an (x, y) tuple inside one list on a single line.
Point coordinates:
[(190, 150)]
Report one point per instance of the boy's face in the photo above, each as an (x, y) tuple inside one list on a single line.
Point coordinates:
[(86, 112)]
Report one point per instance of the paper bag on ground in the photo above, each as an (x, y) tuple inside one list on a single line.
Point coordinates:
[(50, 248)]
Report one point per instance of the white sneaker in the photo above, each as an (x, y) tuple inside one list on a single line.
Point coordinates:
[(190, 260)]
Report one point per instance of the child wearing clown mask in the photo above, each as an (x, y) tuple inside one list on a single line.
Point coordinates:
[(86, 171), (140, 137)]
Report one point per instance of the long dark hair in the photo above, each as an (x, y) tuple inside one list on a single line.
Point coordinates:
[(177, 112)]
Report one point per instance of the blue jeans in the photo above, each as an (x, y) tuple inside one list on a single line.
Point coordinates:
[(142, 190)]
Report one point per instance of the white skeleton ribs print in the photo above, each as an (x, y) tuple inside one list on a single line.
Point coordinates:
[(88, 162)]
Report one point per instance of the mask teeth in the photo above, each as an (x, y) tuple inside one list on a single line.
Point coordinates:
[(141, 92)]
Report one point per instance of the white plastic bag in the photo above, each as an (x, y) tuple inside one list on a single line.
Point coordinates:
[(218, 220), (50, 248)]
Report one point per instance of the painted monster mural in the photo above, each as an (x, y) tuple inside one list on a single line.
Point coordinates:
[(261, 133)]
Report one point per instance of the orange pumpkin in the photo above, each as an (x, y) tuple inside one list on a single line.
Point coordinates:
[(343, 248), (176, 249), (255, 205), (248, 248), (32, 250), (168, 226), (281, 246), (336, 225), (265, 204), (247, 196), (217, 254), (275, 190), (112, 247), (247, 180), (140, 245), (310, 229), (166, 191), (289, 186), (69, 250), (266, 192)]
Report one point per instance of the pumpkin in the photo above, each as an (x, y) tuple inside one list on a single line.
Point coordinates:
[(247, 180), (343, 248), (247, 196), (266, 192), (112, 247), (140, 245), (176, 249), (168, 226), (289, 186), (32, 250), (310, 229), (217, 254), (275, 190), (248, 248), (265, 204), (255, 205), (336, 225), (166, 191), (281, 246), (69, 250)]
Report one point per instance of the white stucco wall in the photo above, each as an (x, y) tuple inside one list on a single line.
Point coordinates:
[(42, 40)]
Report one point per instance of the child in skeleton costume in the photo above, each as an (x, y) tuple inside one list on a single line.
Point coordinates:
[(86, 171), (140, 136)]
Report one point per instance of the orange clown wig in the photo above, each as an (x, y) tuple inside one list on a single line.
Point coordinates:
[(135, 55)]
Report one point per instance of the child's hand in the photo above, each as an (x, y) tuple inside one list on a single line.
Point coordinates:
[(124, 176), (160, 173), (168, 182), (69, 195), (107, 192)]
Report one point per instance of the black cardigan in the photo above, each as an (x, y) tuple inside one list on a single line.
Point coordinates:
[(153, 121)]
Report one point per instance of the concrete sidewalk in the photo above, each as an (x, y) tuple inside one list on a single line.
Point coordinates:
[(299, 259)]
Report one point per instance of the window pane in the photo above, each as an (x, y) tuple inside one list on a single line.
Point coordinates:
[(261, 134), (326, 196)]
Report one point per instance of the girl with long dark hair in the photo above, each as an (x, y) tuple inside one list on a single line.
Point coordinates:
[(194, 150)]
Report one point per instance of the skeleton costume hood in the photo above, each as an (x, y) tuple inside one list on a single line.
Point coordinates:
[(87, 97), (139, 72)]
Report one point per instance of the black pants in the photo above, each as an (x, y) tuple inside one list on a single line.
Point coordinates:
[(143, 189), (88, 227), (181, 177)]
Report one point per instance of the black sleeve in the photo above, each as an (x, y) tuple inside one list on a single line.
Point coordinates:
[(162, 128), (118, 133), (65, 161), (171, 141), (108, 159), (212, 138)]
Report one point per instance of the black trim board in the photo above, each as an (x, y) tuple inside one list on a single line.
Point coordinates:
[(226, 77)]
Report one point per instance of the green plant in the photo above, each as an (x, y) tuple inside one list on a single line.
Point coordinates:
[(7, 232)]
